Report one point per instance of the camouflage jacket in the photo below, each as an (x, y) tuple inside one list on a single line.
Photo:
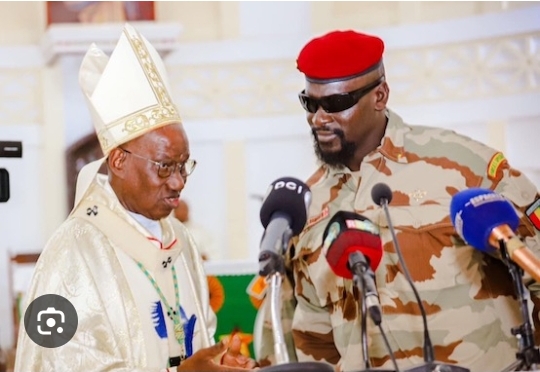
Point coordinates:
[(468, 295)]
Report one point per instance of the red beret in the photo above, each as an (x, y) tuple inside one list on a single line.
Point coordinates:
[(339, 55)]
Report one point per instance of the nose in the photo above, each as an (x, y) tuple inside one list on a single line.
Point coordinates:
[(320, 118), (176, 181)]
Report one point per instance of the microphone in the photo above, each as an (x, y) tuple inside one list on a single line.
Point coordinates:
[(483, 218), (381, 194), (353, 249), (352, 246), (486, 221), (283, 214)]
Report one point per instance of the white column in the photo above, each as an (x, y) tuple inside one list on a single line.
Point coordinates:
[(54, 177), (77, 121), (237, 234)]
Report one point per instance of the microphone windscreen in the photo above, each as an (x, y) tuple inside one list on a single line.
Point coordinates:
[(349, 232), (290, 197), (379, 192), (475, 212)]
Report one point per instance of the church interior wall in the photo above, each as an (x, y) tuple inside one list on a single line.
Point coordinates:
[(473, 67)]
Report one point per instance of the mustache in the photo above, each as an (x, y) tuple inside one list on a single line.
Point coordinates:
[(337, 131)]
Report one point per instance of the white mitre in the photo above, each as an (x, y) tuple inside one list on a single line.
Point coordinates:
[(127, 96)]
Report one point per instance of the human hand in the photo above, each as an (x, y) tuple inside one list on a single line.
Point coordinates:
[(234, 358), (203, 360)]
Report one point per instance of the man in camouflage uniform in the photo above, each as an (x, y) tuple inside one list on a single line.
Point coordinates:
[(468, 295)]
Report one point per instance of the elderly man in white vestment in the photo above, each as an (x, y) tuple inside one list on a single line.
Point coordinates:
[(131, 271)]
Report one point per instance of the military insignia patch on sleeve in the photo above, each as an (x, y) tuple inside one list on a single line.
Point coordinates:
[(496, 165), (533, 212)]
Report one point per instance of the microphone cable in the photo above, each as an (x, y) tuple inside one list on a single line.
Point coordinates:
[(364, 336), (387, 344), (428, 347)]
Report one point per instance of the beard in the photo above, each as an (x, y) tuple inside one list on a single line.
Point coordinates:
[(337, 159)]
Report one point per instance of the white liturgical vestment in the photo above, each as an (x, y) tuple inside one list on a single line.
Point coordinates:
[(97, 260)]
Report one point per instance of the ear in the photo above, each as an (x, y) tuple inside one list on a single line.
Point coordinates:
[(382, 95), (117, 163)]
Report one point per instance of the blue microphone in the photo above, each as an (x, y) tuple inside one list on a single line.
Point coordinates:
[(483, 218), (476, 212)]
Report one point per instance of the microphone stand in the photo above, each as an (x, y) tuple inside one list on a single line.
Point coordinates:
[(429, 365), (272, 266), (280, 348), (360, 282), (528, 355)]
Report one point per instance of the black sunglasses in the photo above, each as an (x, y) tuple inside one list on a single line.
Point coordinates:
[(336, 102)]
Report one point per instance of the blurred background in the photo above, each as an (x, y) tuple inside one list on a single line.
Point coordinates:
[(470, 66)]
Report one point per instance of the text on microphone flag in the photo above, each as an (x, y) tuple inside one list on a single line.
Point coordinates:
[(364, 225), (488, 197), (333, 232)]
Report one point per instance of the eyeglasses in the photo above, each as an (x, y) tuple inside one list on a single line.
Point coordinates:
[(164, 170), (336, 102)]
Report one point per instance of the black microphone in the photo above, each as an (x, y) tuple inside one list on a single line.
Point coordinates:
[(283, 214), (381, 194)]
